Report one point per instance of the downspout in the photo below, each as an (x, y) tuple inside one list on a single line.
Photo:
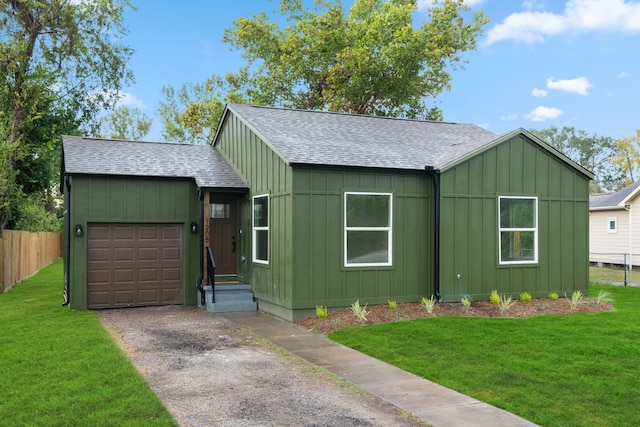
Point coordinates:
[(435, 173), (628, 208), (201, 275), (67, 261)]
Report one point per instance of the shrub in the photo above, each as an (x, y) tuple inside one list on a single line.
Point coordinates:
[(525, 297), (576, 298), (506, 303), (494, 297), (321, 311), (466, 302), (392, 304), (428, 304), (553, 296), (359, 311), (603, 296)]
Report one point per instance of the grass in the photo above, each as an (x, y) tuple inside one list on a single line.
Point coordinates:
[(578, 370), (599, 275), (60, 367)]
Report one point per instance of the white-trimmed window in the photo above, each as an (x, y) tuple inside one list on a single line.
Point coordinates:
[(612, 224), (518, 230), (261, 229), (367, 231)]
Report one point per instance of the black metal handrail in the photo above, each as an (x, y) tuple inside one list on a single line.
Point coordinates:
[(211, 269)]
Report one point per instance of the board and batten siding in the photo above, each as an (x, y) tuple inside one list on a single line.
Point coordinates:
[(265, 172), (99, 199), (469, 223), (320, 277)]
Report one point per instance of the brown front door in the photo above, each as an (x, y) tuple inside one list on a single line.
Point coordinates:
[(223, 238)]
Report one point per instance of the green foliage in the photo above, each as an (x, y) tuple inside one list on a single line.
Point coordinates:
[(576, 299), (321, 311), (359, 311), (494, 297), (428, 304), (372, 60), (32, 215), (127, 123), (603, 296), (392, 304), (506, 303), (466, 302), (591, 367), (553, 296), (60, 367), (525, 297), (628, 156)]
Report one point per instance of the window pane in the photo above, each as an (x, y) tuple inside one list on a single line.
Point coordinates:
[(261, 211), (368, 210), (518, 245), (517, 213), (367, 247), (262, 245), (220, 210)]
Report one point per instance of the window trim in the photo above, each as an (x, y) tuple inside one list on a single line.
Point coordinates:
[(614, 220), (388, 229), (255, 229), (535, 230)]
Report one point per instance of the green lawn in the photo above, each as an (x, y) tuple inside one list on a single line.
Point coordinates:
[(578, 370), (607, 275), (60, 367)]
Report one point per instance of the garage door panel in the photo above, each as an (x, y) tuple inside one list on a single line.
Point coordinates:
[(129, 268)]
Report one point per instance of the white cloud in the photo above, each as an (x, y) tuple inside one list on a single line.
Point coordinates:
[(539, 93), (623, 74), (129, 99), (579, 16), (509, 118), (580, 85), (542, 114)]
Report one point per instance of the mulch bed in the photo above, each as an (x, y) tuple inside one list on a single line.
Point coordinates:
[(344, 318)]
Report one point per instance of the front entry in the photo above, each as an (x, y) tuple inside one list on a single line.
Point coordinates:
[(223, 239)]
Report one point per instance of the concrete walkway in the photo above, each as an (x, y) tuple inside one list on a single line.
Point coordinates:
[(437, 405)]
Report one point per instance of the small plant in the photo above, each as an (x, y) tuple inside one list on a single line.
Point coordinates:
[(428, 304), (576, 298), (525, 297), (506, 303), (603, 296), (359, 311), (466, 303), (553, 296), (392, 304), (494, 297), (321, 311)]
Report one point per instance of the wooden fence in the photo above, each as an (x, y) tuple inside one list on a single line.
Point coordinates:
[(23, 253)]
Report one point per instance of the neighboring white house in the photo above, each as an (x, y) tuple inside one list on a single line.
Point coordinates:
[(614, 227)]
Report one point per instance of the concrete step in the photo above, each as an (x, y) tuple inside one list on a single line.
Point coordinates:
[(230, 298)]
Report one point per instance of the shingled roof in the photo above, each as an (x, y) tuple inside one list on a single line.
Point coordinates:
[(203, 163), (615, 200), (305, 137)]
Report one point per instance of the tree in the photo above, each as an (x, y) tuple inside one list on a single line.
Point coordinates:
[(192, 113), (593, 152), (57, 58), (371, 61), (628, 157), (128, 123)]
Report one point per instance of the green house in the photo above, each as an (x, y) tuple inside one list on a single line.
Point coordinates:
[(313, 208)]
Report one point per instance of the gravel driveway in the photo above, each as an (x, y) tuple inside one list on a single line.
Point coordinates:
[(207, 372)]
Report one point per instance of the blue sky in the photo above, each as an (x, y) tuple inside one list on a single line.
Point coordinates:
[(539, 62)]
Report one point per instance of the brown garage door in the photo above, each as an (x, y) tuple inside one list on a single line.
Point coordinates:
[(134, 265)]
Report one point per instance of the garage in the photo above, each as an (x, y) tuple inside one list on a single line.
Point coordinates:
[(130, 265)]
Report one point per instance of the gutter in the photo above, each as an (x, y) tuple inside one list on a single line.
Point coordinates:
[(435, 173), (67, 261), (201, 275)]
